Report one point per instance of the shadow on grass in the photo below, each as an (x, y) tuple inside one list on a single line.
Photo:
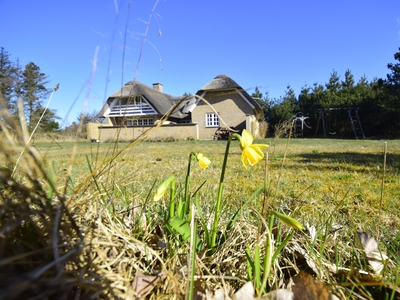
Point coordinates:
[(349, 158)]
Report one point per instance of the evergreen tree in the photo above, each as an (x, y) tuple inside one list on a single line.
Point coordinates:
[(390, 104), (285, 108), (348, 82), (8, 74), (369, 98), (32, 89), (17, 88), (257, 95), (332, 91), (362, 90), (347, 92), (306, 100), (308, 105), (48, 122), (393, 79), (319, 96), (264, 102)]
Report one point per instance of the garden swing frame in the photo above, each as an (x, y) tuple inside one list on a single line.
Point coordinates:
[(352, 115)]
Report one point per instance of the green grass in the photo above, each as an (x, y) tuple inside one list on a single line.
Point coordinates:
[(334, 185), (316, 170), (318, 174)]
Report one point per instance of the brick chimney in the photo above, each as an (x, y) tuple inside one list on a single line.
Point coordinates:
[(158, 86)]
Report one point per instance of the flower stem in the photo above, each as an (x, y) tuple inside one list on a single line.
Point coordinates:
[(220, 189), (172, 200), (186, 199), (268, 261)]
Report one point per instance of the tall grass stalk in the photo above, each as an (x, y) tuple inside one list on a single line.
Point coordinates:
[(382, 184), (24, 127), (291, 124), (383, 175)]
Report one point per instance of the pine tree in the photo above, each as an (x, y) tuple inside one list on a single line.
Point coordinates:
[(393, 79), (332, 90), (264, 102), (307, 104), (48, 120), (32, 89), (285, 108), (391, 102), (8, 74), (347, 92)]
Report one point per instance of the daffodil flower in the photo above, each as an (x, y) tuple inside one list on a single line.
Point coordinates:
[(204, 162), (251, 153)]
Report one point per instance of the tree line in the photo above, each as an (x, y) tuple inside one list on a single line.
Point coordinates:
[(377, 103), (27, 83)]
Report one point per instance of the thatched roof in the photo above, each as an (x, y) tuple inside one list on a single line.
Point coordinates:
[(164, 102), (220, 82), (160, 101), (224, 82)]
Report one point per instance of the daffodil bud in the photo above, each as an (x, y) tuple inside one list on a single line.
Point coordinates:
[(289, 221), (163, 187)]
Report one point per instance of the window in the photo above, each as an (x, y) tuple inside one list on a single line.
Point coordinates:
[(139, 122), (212, 120)]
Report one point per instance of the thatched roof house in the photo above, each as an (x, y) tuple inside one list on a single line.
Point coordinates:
[(137, 104)]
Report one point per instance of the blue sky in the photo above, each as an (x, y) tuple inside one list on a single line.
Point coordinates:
[(269, 44)]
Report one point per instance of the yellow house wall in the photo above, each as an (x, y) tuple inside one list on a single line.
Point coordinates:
[(108, 122), (232, 108), (164, 132), (92, 130)]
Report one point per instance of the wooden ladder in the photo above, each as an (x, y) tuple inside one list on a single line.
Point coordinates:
[(355, 123)]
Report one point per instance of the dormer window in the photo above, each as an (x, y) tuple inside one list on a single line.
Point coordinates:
[(132, 106)]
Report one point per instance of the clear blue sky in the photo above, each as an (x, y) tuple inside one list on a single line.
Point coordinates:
[(269, 44)]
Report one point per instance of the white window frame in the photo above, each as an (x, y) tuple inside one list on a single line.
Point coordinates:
[(139, 122), (133, 106), (212, 119)]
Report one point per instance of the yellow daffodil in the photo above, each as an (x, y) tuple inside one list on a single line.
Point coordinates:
[(204, 162), (251, 153)]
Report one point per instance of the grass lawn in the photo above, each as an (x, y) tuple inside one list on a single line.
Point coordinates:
[(317, 174), (333, 185)]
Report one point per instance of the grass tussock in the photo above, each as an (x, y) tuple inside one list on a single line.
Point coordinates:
[(42, 244), (78, 220)]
